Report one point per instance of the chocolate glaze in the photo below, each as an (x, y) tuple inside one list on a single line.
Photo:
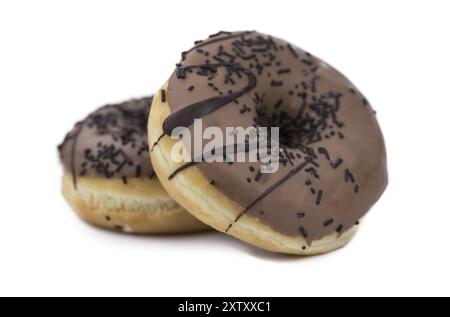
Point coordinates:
[(332, 150), (111, 142)]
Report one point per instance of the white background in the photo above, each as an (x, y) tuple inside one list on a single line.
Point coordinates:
[(59, 60)]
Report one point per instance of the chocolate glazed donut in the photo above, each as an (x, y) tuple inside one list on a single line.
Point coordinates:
[(108, 176), (333, 159)]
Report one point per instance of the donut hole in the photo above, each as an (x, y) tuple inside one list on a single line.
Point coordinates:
[(299, 124)]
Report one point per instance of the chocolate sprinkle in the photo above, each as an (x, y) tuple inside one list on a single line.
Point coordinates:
[(319, 197), (328, 222), (276, 83), (303, 232)]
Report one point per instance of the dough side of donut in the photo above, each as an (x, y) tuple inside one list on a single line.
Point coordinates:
[(194, 192), (141, 206)]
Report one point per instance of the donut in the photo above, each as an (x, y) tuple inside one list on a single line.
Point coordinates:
[(332, 157), (108, 178)]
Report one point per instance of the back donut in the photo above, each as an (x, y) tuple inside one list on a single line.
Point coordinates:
[(109, 179)]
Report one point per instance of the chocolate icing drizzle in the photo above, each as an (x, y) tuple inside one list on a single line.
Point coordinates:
[(237, 148), (185, 116), (270, 189), (264, 81), (111, 142)]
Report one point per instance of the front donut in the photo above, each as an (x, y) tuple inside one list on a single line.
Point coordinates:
[(331, 155)]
